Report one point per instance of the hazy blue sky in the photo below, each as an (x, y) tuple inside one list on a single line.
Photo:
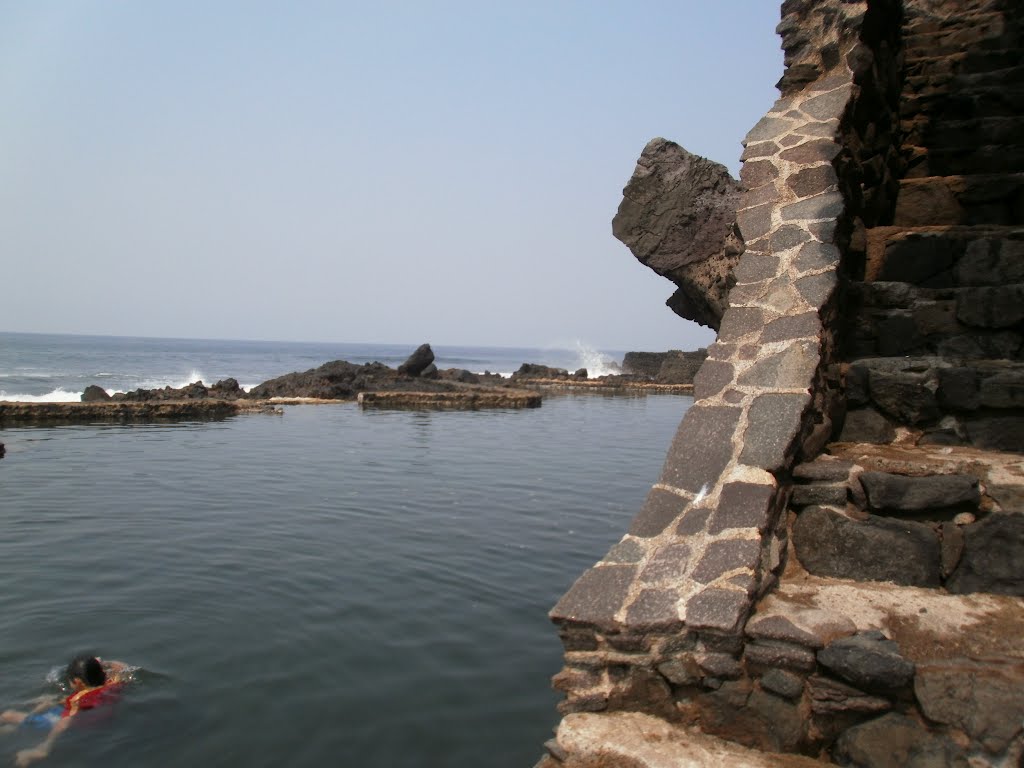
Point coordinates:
[(356, 171)]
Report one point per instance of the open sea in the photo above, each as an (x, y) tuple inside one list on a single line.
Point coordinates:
[(325, 587)]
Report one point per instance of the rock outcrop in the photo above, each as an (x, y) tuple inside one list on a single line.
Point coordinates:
[(678, 217), (528, 371), (418, 362), (672, 367), (228, 389), (336, 380), (95, 394)]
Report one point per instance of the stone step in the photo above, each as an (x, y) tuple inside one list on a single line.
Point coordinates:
[(963, 161), (988, 101), (945, 323), (946, 257), (994, 199), (953, 76), (961, 63), (968, 14), (920, 670), (938, 400), (935, 132), (638, 740), (976, 31), (971, 626)]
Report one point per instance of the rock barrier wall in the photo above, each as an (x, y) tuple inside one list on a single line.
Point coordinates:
[(829, 563), (662, 614)]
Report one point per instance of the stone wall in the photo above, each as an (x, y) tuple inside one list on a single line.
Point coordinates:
[(829, 563), (660, 618)]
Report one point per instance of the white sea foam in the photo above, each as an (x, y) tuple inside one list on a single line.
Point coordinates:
[(56, 396), (177, 383), (596, 363)]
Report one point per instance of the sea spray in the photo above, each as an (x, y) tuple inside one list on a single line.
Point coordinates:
[(193, 376), (54, 396), (597, 363)]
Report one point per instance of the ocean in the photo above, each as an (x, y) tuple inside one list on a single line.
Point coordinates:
[(57, 368), (322, 587)]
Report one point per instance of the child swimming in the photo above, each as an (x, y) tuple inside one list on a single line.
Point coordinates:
[(93, 683)]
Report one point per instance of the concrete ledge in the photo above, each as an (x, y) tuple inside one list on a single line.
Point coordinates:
[(498, 398), (33, 414), (590, 740)]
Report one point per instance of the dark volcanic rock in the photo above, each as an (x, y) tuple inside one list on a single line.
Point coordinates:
[(672, 367), (929, 495), (535, 371), (643, 363), (991, 557), (227, 389), (194, 391), (869, 661), (867, 425), (896, 741), (460, 375), (418, 361), (337, 380), (986, 701), (95, 394), (680, 367), (678, 217), (905, 552)]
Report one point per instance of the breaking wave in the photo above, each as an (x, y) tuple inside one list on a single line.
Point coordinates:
[(193, 376), (597, 363), (56, 396)]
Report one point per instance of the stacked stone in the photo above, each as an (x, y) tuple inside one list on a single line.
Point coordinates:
[(661, 616), (852, 251), (939, 527), (937, 337), (933, 335)]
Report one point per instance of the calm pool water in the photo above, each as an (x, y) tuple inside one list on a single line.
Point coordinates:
[(327, 587)]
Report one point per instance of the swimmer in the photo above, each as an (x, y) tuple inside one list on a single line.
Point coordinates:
[(93, 683)]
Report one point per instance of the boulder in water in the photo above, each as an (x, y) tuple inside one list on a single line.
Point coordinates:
[(95, 394), (418, 361)]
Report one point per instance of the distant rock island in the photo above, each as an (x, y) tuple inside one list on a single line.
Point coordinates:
[(416, 383)]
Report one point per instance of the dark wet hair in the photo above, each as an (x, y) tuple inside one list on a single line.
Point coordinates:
[(88, 669)]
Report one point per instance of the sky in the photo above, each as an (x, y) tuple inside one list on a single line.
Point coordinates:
[(392, 172)]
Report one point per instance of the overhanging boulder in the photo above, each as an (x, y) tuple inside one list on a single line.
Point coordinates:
[(678, 217)]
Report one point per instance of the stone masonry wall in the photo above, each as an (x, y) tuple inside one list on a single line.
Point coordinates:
[(660, 619), (830, 561)]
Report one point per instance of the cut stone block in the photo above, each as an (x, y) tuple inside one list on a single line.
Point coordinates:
[(869, 661), (900, 493), (701, 448), (743, 505), (596, 596), (992, 556), (877, 549), (773, 423), (984, 700)]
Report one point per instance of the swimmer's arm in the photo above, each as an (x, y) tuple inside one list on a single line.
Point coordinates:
[(27, 756)]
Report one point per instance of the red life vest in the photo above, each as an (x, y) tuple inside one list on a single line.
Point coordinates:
[(90, 698)]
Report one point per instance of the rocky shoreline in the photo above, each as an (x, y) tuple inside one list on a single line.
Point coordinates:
[(416, 384)]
